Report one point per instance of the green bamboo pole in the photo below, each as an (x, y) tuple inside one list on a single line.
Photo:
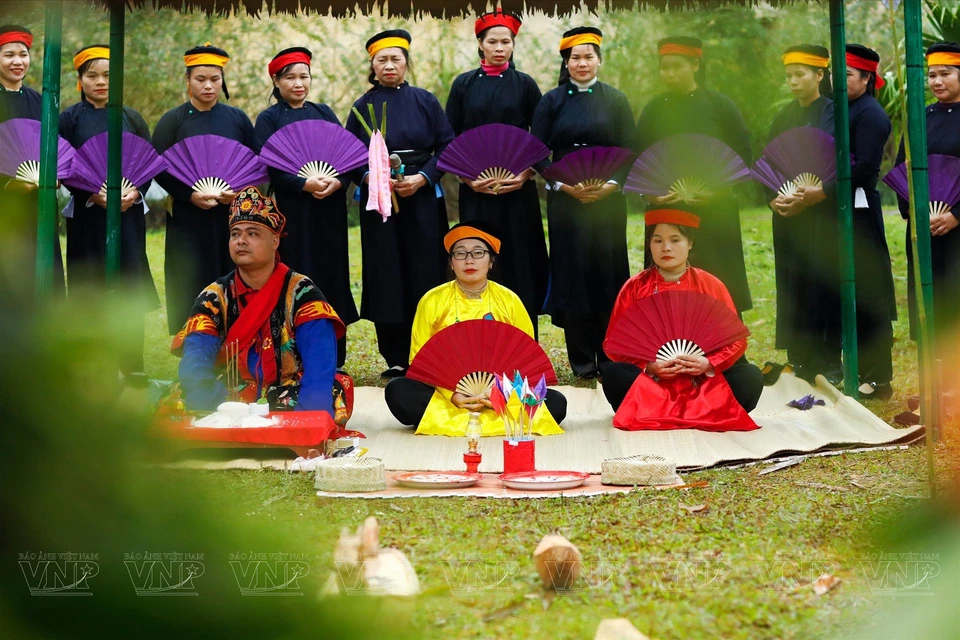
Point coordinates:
[(114, 139), (50, 118), (916, 146), (848, 293)]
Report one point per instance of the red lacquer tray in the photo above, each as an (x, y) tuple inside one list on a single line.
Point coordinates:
[(298, 431)]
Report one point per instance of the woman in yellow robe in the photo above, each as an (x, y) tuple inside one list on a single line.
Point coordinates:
[(472, 249)]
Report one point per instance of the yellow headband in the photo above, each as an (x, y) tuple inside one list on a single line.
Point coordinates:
[(91, 53), (205, 59), (85, 56), (386, 43), (944, 57), (799, 57), (581, 38)]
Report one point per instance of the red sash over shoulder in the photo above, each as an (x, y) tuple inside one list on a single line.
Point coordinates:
[(259, 305)]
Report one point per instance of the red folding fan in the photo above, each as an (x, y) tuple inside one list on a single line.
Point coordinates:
[(466, 357), (671, 324)]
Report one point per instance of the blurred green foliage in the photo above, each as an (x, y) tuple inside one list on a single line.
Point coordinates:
[(941, 22), (72, 464), (80, 494)]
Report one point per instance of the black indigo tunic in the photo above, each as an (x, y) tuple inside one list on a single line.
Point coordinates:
[(87, 229), (197, 245), (511, 98), (403, 257), (719, 245), (315, 243), (588, 242)]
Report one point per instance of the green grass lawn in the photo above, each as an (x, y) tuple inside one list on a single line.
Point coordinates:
[(739, 568)]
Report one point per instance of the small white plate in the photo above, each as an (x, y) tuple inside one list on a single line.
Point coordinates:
[(438, 479), (544, 480)]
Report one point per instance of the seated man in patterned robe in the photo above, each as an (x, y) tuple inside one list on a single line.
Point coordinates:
[(264, 321)]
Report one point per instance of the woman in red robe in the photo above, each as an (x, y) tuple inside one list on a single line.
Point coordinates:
[(712, 392)]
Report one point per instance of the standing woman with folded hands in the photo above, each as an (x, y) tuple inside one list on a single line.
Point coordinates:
[(497, 92), (197, 247), (588, 226), (876, 298), (403, 254), (316, 209), (943, 138), (689, 107), (805, 243), (20, 199), (87, 222)]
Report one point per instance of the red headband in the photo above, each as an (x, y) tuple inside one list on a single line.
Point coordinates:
[(278, 63), (497, 19), (671, 49), (863, 64), (671, 216), (16, 36)]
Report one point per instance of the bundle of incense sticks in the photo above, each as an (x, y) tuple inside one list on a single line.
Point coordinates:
[(231, 352)]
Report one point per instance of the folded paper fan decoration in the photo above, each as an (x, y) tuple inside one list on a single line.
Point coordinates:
[(687, 168), (802, 157), (944, 176), (140, 163), (497, 151), (20, 151), (313, 149), (590, 166), (673, 323), (212, 164), (467, 356)]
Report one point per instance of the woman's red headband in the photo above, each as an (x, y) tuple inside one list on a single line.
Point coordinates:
[(496, 19), (278, 63), (863, 64), (671, 216), (16, 36)]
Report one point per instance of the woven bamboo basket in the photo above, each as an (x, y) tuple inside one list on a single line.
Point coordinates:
[(351, 475), (638, 470)]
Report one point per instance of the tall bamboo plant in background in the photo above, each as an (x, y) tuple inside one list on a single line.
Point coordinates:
[(928, 379), (942, 21)]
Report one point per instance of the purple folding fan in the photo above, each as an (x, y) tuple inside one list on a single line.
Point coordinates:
[(212, 164), (688, 167), (20, 151), (313, 149), (762, 172), (803, 157), (589, 166), (497, 151), (139, 164), (944, 176)]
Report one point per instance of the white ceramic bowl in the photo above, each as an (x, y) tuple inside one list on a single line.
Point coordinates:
[(258, 409)]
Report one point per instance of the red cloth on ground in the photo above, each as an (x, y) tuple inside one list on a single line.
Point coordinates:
[(704, 403), (295, 428)]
